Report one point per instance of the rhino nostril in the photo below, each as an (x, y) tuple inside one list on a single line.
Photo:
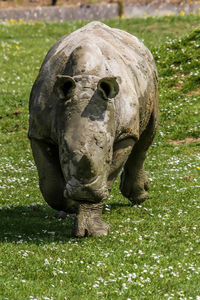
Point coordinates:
[(85, 168)]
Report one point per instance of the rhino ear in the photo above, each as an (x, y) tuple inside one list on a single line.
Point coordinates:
[(108, 87), (64, 86)]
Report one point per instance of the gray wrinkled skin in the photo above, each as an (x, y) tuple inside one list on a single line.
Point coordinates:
[(93, 113)]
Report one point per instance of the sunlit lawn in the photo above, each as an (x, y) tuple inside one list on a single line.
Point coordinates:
[(153, 250)]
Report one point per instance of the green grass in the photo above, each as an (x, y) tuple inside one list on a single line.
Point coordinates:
[(153, 250)]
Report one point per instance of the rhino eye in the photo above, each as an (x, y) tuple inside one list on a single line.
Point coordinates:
[(64, 87)]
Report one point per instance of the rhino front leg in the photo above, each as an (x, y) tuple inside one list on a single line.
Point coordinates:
[(51, 180), (134, 181), (88, 221)]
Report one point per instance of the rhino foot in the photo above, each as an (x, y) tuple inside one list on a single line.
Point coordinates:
[(135, 187), (140, 193), (62, 215), (88, 221), (138, 198)]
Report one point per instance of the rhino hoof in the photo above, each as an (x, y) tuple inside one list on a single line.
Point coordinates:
[(88, 222), (146, 184), (90, 230), (62, 215), (138, 199)]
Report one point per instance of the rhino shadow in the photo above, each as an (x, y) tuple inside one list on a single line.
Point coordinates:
[(36, 224), (96, 108)]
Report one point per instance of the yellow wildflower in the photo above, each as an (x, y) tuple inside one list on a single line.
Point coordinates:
[(182, 13), (12, 21)]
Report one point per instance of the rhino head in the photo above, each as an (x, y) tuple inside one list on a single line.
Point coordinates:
[(86, 132)]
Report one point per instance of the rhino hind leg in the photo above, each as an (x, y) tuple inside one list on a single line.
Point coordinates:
[(88, 221), (134, 181), (51, 180)]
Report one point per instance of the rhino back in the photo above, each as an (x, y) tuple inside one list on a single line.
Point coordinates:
[(121, 51), (115, 53)]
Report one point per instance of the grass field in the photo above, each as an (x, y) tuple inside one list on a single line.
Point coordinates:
[(153, 250)]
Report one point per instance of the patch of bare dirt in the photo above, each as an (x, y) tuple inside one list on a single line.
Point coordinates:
[(185, 141), (193, 93), (33, 3), (189, 178), (178, 86)]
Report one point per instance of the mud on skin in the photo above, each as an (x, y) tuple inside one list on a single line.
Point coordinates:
[(93, 114)]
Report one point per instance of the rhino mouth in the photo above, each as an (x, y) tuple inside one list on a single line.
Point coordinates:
[(91, 192)]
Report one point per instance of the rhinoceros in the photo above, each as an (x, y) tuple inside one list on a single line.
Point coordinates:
[(93, 115)]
